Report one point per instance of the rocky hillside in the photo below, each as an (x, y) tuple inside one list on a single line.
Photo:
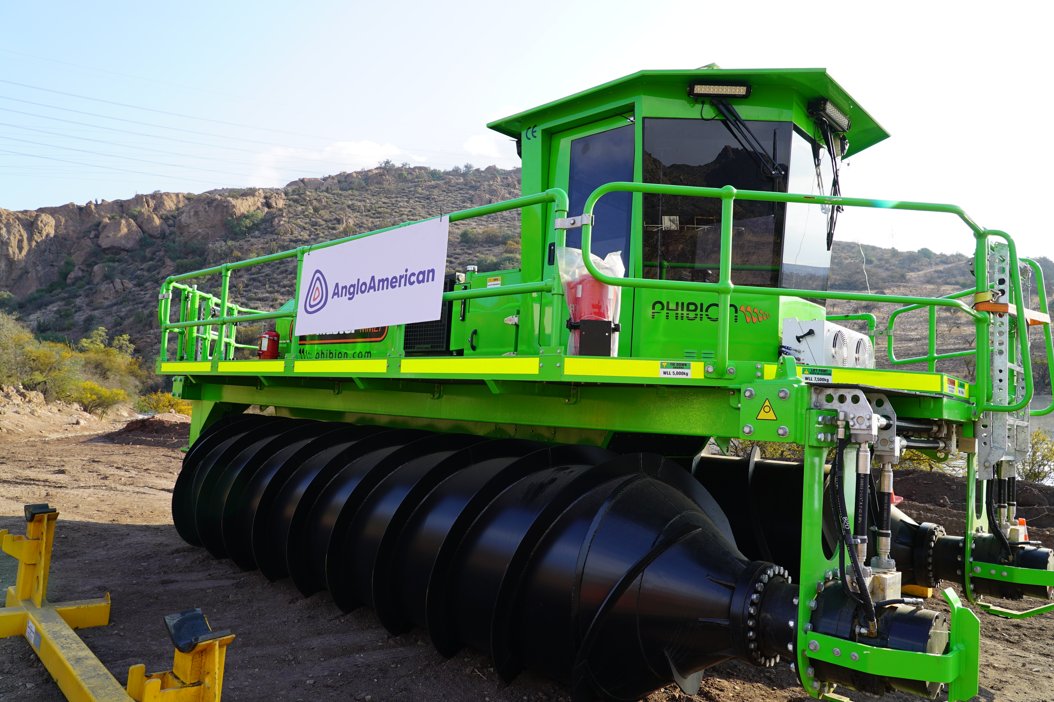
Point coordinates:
[(65, 270)]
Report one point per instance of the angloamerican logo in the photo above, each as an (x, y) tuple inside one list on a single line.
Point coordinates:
[(317, 293), (381, 283)]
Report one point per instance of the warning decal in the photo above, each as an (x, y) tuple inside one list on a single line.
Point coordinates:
[(674, 369), (767, 412)]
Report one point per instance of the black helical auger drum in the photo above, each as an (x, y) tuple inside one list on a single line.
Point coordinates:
[(614, 573)]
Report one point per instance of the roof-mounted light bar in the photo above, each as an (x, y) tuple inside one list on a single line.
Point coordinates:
[(823, 109), (699, 90)]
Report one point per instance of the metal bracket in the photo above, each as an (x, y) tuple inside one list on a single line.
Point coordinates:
[(496, 387), (1002, 436), (852, 405), (887, 446), (573, 222)]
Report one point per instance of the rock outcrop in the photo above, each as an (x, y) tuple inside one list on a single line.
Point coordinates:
[(121, 233), (206, 216), (41, 247)]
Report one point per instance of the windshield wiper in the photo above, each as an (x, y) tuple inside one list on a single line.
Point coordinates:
[(836, 188), (741, 132)]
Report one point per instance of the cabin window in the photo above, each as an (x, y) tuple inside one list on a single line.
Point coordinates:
[(597, 159), (682, 235), (806, 259)]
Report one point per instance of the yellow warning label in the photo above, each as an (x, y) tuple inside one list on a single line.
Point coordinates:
[(767, 412)]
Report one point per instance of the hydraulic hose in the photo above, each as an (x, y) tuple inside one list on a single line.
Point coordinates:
[(863, 596), (993, 519), (863, 490), (916, 426)]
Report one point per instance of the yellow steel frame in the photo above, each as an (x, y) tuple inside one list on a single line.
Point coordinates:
[(50, 628), (196, 676)]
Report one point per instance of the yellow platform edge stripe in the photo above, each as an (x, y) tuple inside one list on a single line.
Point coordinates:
[(528, 365), (573, 366), (251, 366), (898, 380), (186, 367), (373, 365)]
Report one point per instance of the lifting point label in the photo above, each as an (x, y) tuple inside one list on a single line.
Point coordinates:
[(767, 413)]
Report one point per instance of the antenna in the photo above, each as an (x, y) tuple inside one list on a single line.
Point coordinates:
[(863, 266)]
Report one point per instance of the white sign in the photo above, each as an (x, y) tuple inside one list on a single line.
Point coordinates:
[(395, 277)]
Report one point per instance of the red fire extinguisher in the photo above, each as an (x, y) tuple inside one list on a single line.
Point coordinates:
[(267, 345)]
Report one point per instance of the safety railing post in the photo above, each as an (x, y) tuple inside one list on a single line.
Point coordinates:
[(931, 341), (725, 285)]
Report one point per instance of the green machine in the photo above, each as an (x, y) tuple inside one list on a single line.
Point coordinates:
[(520, 467)]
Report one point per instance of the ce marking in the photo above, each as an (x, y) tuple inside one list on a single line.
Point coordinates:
[(530, 133)]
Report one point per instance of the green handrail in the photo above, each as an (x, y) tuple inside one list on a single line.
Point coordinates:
[(724, 286), (193, 302), (233, 314), (931, 356), (1044, 307), (867, 317)]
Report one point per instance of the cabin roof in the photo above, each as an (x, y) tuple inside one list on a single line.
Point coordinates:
[(810, 83)]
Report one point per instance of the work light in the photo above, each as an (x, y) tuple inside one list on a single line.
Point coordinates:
[(823, 108), (726, 90)]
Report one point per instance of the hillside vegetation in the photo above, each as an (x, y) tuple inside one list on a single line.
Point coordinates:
[(96, 373)]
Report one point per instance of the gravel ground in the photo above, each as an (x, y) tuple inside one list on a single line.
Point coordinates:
[(114, 534)]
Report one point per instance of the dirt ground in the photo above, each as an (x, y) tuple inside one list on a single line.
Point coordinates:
[(112, 486)]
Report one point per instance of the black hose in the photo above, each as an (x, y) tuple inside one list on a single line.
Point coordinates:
[(863, 490), (915, 425), (884, 516), (993, 520), (843, 522), (863, 597), (899, 600)]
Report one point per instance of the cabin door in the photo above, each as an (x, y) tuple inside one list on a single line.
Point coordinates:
[(586, 158)]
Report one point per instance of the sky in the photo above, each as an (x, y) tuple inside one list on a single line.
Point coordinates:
[(107, 100)]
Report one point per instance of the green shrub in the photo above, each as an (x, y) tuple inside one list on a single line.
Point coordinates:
[(242, 225), (1039, 466), (96, 373), (158, 402), (95, 398)]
